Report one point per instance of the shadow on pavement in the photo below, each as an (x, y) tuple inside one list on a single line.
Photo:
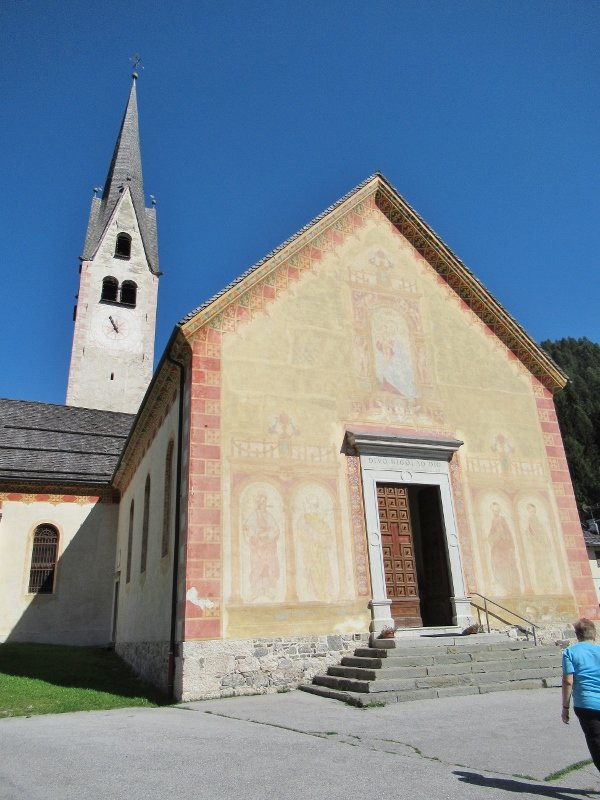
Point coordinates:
[(520, 787)]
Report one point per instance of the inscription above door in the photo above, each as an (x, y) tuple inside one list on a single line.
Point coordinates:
[(399, 562)]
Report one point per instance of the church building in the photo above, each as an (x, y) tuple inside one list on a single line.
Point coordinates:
[(353, 435)]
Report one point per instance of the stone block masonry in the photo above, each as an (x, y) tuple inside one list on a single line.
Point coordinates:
[(149, 660), (223, 668)]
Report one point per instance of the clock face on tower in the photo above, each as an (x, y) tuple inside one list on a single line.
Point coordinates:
[(115, 327)]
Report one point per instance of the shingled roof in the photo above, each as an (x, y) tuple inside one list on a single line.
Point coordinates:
[(42, 442)]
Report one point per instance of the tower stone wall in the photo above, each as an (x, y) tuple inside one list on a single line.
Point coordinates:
[(113, 343)]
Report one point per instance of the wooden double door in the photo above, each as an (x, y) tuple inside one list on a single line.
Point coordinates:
[(414, 555)]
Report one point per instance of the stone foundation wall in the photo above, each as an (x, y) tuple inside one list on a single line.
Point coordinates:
[(149, 660), (224, 668), (551, 633)]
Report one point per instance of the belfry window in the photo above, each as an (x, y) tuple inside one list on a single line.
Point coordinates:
[(123, 246), (128, 293), (110, 289), (43, 560)]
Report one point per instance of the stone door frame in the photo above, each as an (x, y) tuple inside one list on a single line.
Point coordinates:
[(409, 461)]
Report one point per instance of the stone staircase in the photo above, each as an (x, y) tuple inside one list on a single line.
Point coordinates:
[(427, 666)]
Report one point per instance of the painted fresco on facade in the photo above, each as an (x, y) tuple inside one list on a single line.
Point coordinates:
[(540, 544), (392, 355), (262, 544), (372, 336), (315, 540), (499, 535)]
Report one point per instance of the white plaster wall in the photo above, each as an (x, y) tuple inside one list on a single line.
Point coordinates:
[(79, 610), (144, 613), (98, 351)]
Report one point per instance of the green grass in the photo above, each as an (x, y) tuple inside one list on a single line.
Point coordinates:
[(571, 768), (51, 679)]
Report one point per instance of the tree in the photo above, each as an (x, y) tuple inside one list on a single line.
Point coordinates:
[(578, 411)]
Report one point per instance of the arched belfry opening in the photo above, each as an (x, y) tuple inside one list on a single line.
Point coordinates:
[(123, 246)]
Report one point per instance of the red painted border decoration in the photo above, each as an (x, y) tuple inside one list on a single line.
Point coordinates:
[(577, 557), (463, 528), (358, 527), (204, 548), (54, 499)]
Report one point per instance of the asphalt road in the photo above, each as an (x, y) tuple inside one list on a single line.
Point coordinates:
[(297, 745)]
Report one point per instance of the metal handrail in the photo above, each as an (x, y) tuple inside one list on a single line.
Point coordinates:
[(487, 600)]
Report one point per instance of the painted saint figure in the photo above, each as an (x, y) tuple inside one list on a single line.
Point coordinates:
[(392, 358), (539, 541), (262, 533), (502, 552), (316, 538)]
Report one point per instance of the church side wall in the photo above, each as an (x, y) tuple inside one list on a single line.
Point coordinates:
[(356, 331), (78, 611), (144, 605)]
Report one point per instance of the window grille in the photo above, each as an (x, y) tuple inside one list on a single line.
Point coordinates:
[(43, 560), (145, 525), (167, 502)]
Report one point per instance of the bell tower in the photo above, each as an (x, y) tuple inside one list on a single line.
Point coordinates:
[(115, 316)]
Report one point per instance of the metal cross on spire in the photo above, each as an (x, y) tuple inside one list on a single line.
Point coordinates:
[(136, 59)]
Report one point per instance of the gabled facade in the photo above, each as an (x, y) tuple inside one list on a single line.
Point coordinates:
[(367, 439)]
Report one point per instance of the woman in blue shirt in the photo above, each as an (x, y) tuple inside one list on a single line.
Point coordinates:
[(581, 680)]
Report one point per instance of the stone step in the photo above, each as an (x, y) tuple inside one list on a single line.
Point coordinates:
[(386, 683), (475, 662), (398, 671), (456, 651), (425, 637), (363, 700), (361, 673), (392, 669), (368, 663)]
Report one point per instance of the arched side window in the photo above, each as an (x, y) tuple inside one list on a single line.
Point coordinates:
[(145, 524), (43, 560), (129, 543), (110, 289), (166, 532), (128, 293), (123, 246)]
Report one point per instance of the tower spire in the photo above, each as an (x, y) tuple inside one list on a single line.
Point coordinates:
[(124, 172)]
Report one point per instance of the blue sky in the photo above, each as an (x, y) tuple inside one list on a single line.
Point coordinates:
[(255, 116)]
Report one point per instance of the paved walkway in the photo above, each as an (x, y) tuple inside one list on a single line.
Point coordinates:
[(297, 745)]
